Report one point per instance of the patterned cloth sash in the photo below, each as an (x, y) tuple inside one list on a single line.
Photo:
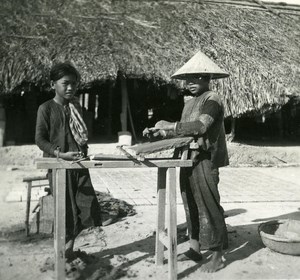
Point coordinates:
[(77, 125)]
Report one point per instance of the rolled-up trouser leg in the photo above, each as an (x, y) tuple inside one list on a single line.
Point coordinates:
[(190, 206)]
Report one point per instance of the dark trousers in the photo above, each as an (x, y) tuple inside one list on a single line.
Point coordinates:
[(82, 207), (201, 199)]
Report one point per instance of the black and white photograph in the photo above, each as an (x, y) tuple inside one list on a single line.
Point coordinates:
[(149, 139)]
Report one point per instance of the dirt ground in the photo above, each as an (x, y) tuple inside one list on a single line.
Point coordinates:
[(125, 249)]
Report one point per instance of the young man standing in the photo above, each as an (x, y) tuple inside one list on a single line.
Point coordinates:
[(203, 118)]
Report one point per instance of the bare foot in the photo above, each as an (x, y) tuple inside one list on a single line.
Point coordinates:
[(216, 263)]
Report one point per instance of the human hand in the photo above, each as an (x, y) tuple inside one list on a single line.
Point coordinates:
[(71, 155), (147, 132), (160, 133), (153, 132)]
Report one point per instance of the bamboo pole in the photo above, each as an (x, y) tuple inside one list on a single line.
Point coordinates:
[(266, 7)]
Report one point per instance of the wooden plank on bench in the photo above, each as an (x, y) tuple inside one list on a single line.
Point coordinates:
[(161, 145)]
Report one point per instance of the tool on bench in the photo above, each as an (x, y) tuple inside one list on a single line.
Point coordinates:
[(130, 156), (81, 159)]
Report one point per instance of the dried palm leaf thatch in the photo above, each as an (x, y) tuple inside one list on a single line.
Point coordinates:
[(151, 40)]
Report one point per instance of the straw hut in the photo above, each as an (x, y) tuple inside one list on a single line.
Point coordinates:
[(141, 43)]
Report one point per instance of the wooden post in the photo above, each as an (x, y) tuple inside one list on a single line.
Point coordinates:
[(172, 223), (91, 102), (110, 108), (29, 184), (232, 129), (59, 179), (90, 113), (2, 125), (82, 97), (281, 125), (160, 219), (131, 122), (124, 103)]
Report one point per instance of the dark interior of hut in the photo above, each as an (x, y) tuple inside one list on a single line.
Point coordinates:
[(148, 102), (275, 126)]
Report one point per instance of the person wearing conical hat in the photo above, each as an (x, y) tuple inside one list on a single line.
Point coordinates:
[(203, 118)]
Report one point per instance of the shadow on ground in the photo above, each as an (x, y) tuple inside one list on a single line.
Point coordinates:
[(113, 263), (293, 216)]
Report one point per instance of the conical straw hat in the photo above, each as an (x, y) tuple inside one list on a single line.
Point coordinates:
[(199, 65)]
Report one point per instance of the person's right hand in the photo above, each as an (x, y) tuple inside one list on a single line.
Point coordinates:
[(154, 132), (71, 155), (164, 125)]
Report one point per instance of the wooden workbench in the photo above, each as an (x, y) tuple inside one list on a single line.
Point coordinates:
[(166, 186)]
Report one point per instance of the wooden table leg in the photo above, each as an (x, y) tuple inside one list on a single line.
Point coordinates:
[(29, 184), (59, 177), (172, 223), (160, 219)]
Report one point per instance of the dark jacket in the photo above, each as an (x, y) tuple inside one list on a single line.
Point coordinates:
[(52, 130)]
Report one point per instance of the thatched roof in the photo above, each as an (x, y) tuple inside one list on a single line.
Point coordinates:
[(151, 40)]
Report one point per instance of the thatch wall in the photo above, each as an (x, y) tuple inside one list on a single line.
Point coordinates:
[(152, 39)]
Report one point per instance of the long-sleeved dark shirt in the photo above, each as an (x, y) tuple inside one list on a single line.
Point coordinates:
[(203, 117), (52, 129)]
